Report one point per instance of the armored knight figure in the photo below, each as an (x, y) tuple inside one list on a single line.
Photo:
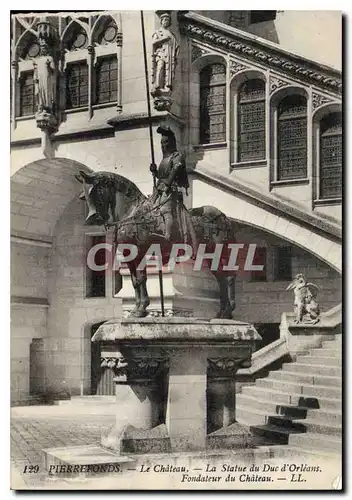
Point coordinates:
[(172, 176)]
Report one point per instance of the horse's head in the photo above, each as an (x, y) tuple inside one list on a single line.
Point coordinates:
[(99, 188), (107, 194)]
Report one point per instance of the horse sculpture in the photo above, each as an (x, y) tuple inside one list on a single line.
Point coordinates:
[(115, 201)]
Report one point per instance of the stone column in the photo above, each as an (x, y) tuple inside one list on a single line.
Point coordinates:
[(139, 391)]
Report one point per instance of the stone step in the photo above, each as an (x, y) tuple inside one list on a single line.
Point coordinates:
[(305, 378), (273, 433), (331, 344), (315, 441), (304, 425), (251, 411), (292, 399), (300, 367), (326, 416), (250, 416), (288, 451), (334, 353), (319, 360), (304, 389)]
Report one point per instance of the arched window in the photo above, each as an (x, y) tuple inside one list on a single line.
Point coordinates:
[(106, 80), (213, 104), (330, 185), (292, 138), (251, 120), (76, 85), (27, 103)]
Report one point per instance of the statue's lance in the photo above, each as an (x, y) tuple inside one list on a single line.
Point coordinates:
[(151, 147)]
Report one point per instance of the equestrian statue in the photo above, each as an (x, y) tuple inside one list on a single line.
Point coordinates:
[(116, 202)]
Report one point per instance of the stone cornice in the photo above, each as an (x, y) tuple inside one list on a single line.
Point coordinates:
[(238, 43)]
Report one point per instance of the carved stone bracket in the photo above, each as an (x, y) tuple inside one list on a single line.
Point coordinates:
[(236, 66), (198, 52), (226, 367), (319, 99), (277, 83)]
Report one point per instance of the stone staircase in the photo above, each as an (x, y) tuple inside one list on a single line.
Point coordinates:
[(299, 405)]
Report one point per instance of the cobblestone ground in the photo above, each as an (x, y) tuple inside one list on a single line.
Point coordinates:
[(34, 428)]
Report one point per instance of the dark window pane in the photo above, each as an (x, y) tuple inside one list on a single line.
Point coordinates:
[(251, 121), (212, 104), (292, 138), (331, 156), (106, 80), (77, 85), (27, 94)]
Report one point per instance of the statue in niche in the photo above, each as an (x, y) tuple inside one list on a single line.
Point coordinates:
[(45, 76), (164, 59)]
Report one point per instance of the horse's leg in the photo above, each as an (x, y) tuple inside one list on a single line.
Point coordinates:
[(231, 291), (225, 311), (144, 297), (136, 286)]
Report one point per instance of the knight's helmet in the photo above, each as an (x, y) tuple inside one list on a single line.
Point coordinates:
[(182, 177)]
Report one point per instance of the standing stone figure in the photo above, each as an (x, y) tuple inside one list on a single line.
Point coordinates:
[(164, 57), (45, 79)]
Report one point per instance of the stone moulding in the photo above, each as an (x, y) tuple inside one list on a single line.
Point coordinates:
[(175, 328), (308, 71)]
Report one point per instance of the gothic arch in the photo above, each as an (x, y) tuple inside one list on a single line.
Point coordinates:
[(99, 27), (74, 27), (25, 40)]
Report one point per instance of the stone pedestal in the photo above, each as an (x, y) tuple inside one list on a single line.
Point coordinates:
[(173, 374)]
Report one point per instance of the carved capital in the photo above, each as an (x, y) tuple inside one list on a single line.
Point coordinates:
[(226, 367), (91, 50), (236, 66), (117, 364), (198, 52), (319, 99), (276, 83), (135, 368)]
